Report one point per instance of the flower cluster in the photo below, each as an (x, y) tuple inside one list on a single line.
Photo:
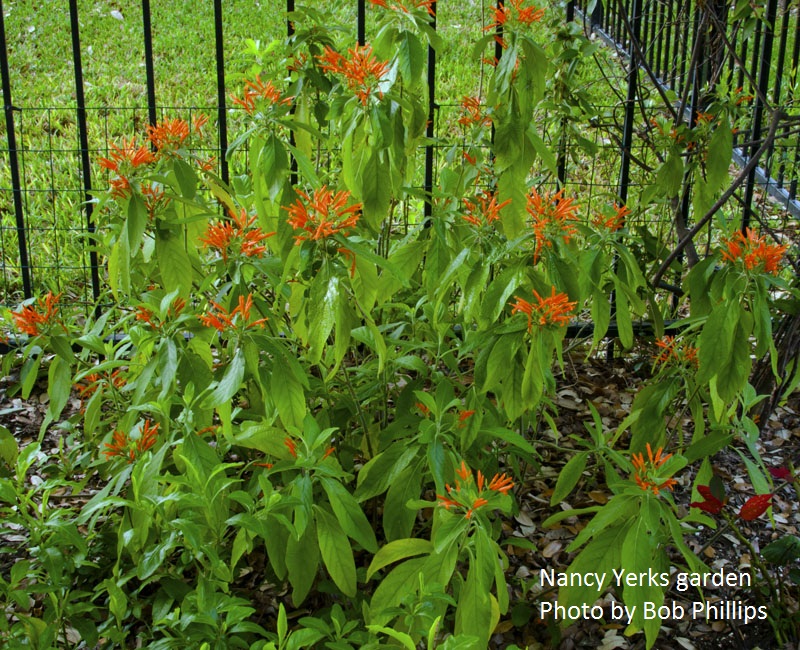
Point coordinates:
[(221, 320), (470, 493), (292, 447), (401, 5), (94, 381), (485, 211), (362, 72), (169, 135), (673, 351), (32, 320), (124, 446), (147, 316), (643, 468), (613, 221), (510, 11), (553, 217), (322, 215), (238, 236), (753, 251), (257, 89), (752, 509), (121, 161), (553, 310), (472, 113)]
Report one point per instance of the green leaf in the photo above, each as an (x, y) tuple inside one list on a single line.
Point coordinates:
[(287, 394), (568, 477), (474, 610), (302, 560), (640, 554), (619, 509), (670, 175), (398, 518), (59, 386), (410, 56), (401, 637), (783, 551), (320, 312), (187, 180), (273, 163), (336, 552), (601, 555), (399, 549), (230, 383), (376, 476), (375, 190), (8, 447), (136, 222), (399, 583), (173, 262), (349, 514), (708, 445), (720, 149)]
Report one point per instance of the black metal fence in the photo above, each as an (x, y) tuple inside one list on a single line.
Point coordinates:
[(687, 47), (670, 40)]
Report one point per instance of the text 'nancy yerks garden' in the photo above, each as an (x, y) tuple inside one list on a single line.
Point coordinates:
[(400, 323)]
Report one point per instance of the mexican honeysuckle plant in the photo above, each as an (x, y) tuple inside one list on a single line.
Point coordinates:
[(305, 380)]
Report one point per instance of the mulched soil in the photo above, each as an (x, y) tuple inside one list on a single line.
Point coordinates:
[(610, 387)]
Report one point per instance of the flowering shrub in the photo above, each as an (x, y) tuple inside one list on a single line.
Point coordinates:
[(297, 380)]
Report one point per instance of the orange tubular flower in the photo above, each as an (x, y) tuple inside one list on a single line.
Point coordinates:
[(224, 236), (362, 72), (503, 15), (31, 321), (222, 320), (477, 503), (472, 112), (257, 89), (553, 310), (501, 483), (401, 6), (753, 251), (168, 134), (642, 469), (126, 155), (198, 122), (553, 216), (290, 446), (613, 222), (323, 215), (470, 494), (124, 446), (671, 351), (485, 211)]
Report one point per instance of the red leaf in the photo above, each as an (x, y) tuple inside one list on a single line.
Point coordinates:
[(755, 506), (711, 504), (780, 473)]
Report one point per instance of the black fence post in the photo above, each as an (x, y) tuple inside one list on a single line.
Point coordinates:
[(83, 137), (222, 114), (627, 132), (498, 48), (430, 130), (361, 21), (289, 34), (13, 163), (148, 63), (561, 165), (758, 112)]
